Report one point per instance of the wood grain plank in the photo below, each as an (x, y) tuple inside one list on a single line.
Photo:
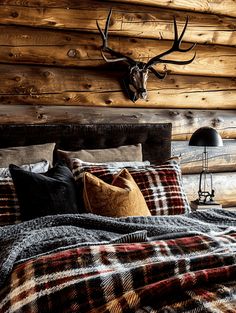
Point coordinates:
[(226, 7), (184, 123), (221, 159), (15, 79), (40, 46), (127, 20), (224, 185), (157, 99), (44, 86)]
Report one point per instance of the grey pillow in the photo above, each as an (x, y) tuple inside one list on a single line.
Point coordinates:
[(26, 154), (121, 154)]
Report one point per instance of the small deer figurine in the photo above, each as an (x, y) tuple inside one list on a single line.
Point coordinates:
[(136, 80)]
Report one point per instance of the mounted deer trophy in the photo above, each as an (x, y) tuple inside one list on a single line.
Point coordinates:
[(136, 79)]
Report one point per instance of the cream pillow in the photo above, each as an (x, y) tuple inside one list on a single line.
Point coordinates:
[(120, 154), (122, 198), (26, 154)]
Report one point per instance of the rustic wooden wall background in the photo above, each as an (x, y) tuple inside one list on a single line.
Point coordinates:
[(51, 70)]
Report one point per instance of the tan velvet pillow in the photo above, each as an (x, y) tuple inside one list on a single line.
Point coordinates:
[(122, 198), (120, 154), (26, 154)]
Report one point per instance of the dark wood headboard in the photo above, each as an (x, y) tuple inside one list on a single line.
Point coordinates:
[(155, 138)]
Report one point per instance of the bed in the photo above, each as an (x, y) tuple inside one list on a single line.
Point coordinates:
[(70, 260)]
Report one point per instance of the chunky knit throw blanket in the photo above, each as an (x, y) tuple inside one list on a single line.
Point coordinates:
[(54, 233)]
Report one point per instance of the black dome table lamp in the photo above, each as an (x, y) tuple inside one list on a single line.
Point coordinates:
[(205, 137)]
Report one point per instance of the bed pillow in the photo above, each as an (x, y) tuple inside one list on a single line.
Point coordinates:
[(120, 198), (45, 194), (26, 154), (81, 166), (160, 185), (9, 204), (39, 167), (120, 154)]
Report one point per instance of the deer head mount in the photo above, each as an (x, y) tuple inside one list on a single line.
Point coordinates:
[(136, 80)]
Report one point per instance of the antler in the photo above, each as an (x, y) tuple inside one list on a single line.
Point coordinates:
[(105, 48), (175, 47)]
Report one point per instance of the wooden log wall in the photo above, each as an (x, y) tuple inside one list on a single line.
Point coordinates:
[(51, 70)]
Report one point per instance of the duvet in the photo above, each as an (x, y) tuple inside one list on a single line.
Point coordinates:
[(88, 263)]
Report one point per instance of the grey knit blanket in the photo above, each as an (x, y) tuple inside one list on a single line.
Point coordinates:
[(52, 233)]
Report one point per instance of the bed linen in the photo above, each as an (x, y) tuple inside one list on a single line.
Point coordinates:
[(89, 263)]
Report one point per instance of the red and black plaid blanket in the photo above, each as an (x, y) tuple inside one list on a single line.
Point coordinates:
[(192, 273)]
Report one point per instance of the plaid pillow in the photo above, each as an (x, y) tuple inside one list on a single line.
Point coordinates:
[(160, 185), (9, 205)]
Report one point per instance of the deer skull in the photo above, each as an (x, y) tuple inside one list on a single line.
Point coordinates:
[(135, 81)]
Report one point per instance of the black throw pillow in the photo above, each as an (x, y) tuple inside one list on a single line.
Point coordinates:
[(50, 193)]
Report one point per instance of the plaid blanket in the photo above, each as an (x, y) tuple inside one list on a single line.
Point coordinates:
[(189, 273)]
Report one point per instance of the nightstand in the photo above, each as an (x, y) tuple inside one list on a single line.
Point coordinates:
[(195, 205), (233, 209)]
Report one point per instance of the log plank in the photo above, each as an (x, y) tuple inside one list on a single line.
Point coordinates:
[(157, 99), (32, 46), (224, 185), (127, 20), (221, 159), (44, 86), (184, 123), (15, 79), (226, 7)]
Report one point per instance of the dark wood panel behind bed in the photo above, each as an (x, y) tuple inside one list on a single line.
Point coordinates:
[(155, 138)]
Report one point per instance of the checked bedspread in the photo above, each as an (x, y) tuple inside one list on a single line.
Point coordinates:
[(190, 273)]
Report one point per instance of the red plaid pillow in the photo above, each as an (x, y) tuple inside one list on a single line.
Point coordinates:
[(9, 206), (160, 185)]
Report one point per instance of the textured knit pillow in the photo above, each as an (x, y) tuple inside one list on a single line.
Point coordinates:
[(160, 185), (9, 204), (45, 194), (120, 198)]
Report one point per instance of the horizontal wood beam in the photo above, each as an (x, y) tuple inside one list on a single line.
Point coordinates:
[(184, 123), (47, 85), (157, 99), (221, 159), (127, 20), (38, 46), (226, 7), (224, 186)]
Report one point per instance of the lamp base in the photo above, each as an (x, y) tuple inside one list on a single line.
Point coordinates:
[(197, 205)]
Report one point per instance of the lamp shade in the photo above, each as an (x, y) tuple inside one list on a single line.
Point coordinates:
[(206, 137)]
